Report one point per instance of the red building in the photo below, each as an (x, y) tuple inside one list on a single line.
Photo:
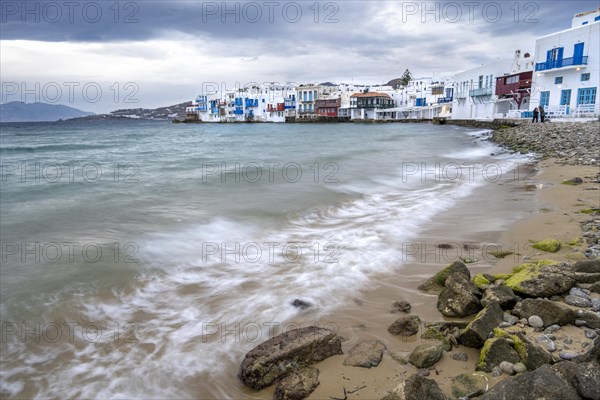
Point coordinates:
[(516, 86), (328, 107)]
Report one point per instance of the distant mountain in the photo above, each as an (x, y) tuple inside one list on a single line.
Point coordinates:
[(17, 111), (394, 82), (161, 113)]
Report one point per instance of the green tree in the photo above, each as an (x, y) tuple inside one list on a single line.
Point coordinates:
[(406, 78)]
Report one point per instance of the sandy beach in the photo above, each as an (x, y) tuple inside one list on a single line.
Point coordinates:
[(543, 207)]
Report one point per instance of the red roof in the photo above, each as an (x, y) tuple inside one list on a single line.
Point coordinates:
[(371, 94)]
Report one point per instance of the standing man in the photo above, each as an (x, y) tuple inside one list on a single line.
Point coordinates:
[(542, 114), (536, 112)]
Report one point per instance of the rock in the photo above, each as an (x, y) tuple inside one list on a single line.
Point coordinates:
[(565, 355), (459, 298), (596, 305), (460, 356), (530, 353), (584, 377), (547, 245), (541, 279), (550, 312), (593, 354), (495, 351), (398, 358), (423, 372), (595, 287), (437, 282), (535, 322), (405, 326), (552, 328), (481, 281), (507, 367), (468, 385), (592, 318), (503, 295), (401, 306), (520, 368), (580, 322), (590, 333), (577, 301), (477, 332), (510, 319), (425, 355), (575, 291), (496, 372), (298, 385), (365, 354), (548, 343), (568, 340), (582, 277), (445, 332), (416, 388), (587, 266), (279, 356), (301, 304), (543, 383)]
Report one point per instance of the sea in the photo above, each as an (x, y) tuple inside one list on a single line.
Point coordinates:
[(143, 259)]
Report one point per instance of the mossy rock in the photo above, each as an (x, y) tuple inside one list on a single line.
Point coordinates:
[(481, 281), (437, 282), (501, 254), (578, 241), (548, 245), (502, 276), (542, 279), (590, 211)]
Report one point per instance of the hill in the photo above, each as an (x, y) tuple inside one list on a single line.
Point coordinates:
[(18, 111)]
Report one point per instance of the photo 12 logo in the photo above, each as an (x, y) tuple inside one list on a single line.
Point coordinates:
[(68, 332), (70, 92), (268, 172), (68, 172), (254, 12), (469, 11), (270, 252), (71, 12)]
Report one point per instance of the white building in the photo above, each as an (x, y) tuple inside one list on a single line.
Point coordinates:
[(567, 69)]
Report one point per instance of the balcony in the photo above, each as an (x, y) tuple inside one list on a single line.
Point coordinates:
[(480, 92), (565, 62), (444, 100)]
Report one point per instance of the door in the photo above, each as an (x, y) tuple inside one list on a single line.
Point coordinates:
[(578, 54)]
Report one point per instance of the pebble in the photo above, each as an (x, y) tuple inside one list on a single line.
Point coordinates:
[(590, 333), (510, 341), (523, 321), (596, 305), (504, 325), (580, 322), (578, 301), (510, 319), (585, 344), (568, 341), (565, 355), (552, 328), (535, 321), (423, 372), (551, 337), (496, 372), (520, 368), (579, 293), (460, 356), (507, 367)]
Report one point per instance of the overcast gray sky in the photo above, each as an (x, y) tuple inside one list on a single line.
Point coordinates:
[(105, 55)]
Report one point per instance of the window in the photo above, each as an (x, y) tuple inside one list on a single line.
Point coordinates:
[(558, 80), (512, 79), (544, 99), (586, 96), (584, 23), (480, 81), (555, 54), (565, 97), (585, 77)]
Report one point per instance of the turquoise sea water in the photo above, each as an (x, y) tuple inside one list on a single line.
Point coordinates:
[(143, 259)]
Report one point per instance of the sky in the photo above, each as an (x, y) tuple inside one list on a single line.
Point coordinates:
[(105, 55)]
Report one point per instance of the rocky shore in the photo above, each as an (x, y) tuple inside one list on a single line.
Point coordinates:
[(527, 331)]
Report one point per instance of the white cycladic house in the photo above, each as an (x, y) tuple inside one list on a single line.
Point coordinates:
[(567, 69)]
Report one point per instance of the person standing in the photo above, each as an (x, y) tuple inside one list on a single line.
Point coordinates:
[(542, 114), (536, 113)]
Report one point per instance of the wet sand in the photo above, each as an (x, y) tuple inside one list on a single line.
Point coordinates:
[(507, 215)]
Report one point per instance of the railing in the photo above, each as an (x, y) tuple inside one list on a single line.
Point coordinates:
[(445, 100), (565, 62), (480, 92), (461, 95)]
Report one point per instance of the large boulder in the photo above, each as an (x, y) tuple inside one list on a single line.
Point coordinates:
[(298, 385), (477, 332), (591, 318), (595, 287), (531, 354), (468, 385), (459, 298), (416, 388), (493, 352), (425, 355), (366, 354), (437, 282), (503, 295), (593, 355), (585, 377), (278, 357), (543, 383), (542, 279), (549, 311), (405, 326)]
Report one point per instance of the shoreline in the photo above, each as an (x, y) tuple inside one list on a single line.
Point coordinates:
[(555, 213)]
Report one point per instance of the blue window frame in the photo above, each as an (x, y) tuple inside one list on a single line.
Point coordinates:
[(597, 18), (565, 97), (585, 77), (586, 96), (558, 80), (544, 99)]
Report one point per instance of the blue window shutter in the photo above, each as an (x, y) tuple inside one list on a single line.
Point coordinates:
[(560, 53), (548, 55)]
